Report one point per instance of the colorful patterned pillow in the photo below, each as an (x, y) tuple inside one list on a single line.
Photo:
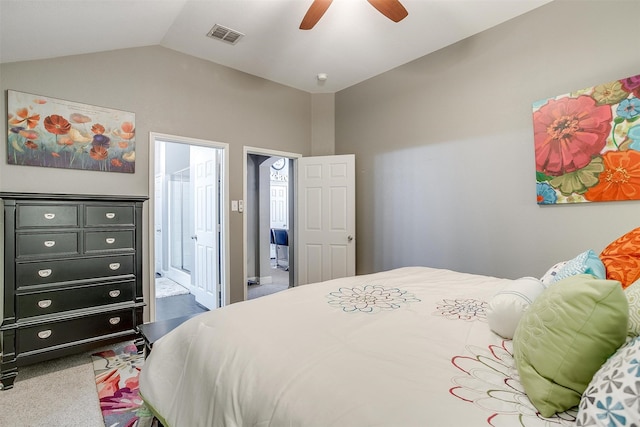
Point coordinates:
[(585, 263), (549, 276), (633, 296), (612, 398), (506, 308), (622, 258), (564, 338)]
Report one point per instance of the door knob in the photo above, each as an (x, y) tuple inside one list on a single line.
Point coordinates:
[(195, 237), (349, 238)]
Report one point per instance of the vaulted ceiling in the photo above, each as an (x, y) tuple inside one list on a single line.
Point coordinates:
[(350, 43)]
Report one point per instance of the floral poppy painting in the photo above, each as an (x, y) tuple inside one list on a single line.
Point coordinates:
[(50, 132), (587, 144)]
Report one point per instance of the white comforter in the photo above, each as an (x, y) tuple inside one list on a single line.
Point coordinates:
[(407, 347)]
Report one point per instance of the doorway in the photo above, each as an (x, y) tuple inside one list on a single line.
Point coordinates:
[(321, 229), (269, 222), (190, 267)]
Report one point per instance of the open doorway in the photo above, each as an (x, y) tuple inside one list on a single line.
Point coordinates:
[(189, 243), (269, 223), (321, 229)]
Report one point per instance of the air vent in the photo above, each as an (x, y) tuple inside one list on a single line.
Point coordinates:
[(224, 34)]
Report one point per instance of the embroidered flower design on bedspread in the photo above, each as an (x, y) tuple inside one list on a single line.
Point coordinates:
[(370, 298), (462, 309), (491, 382)]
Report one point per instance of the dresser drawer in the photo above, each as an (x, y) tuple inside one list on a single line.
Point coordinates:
[(47, 215), (99, 215), (43, 244), (55, 301), (43, 272), (69, 331), (101, 241)]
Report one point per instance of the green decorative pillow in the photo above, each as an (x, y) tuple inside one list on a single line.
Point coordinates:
[(633, 296), (564, 338)]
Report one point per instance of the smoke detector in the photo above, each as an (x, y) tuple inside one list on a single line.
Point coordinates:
[(224, 34)]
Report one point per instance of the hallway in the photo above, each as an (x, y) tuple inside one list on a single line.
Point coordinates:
[(280, 282)]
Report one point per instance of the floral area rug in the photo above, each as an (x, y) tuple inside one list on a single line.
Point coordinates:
[(117, 372)]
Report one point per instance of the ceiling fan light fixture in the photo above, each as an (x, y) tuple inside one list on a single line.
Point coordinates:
[(315, 12), (392, 9)]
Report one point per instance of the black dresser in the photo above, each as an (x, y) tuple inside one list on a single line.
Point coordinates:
[(72, 276)]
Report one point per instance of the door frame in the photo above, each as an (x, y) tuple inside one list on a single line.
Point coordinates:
[(225, 267), (293, 157)]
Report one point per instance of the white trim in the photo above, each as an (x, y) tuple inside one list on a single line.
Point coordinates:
[(264, 152), (153, 136), (269, 152)]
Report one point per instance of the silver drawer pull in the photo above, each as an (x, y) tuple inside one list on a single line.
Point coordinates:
[(114, 265), (114, 320), (44, 273), (44, 334), (49, 215), (115, 293), (110, 215), (110, 240), (49, 243), (44, 303)]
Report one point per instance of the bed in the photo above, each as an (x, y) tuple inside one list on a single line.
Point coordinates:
[(413, 346)]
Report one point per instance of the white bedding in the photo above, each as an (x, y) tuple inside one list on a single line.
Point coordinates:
[(406, 347)]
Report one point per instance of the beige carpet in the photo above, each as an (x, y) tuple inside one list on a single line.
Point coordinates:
[(60, 393), (279, 282), (255, 291)]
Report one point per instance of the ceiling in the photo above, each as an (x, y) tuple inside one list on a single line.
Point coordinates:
[(351, 43)]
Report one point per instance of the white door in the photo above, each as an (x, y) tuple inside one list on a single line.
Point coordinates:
[(279, 212), (279, 205), (204, 176), (326, 246)]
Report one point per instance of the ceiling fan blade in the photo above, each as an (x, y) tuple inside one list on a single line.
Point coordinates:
[(315, 12), (392, 9)]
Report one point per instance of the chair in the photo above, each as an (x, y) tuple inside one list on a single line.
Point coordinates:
[(280, 237)]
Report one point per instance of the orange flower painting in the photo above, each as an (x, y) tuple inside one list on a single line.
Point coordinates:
[(23, 117), (50, 132), (587, 144), (620, 179), (57, 125)]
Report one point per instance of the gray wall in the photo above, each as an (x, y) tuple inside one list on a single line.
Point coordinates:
[(170, 93), (444, 145), (323, 132)]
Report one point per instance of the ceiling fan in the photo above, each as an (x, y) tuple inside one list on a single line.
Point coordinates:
[(392, 9)]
